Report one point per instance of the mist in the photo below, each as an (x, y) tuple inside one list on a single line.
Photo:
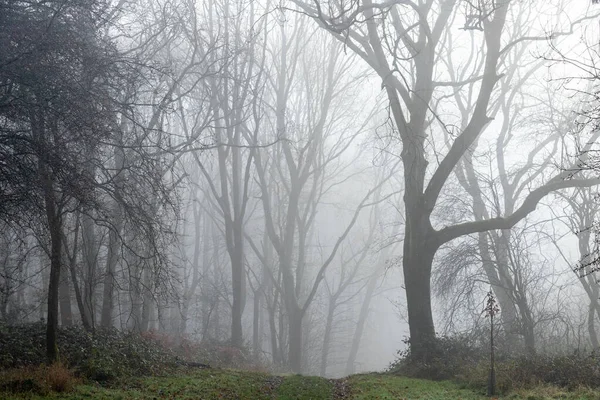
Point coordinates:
[(302, 186)]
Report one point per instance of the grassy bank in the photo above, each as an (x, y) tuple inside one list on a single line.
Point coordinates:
[(231, 384)]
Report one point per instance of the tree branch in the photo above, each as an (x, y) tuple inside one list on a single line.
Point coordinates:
[(529, 204)]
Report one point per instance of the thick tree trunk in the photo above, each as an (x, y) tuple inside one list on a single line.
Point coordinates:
[(417, 262)]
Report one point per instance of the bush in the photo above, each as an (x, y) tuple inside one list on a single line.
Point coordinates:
[(41, 379), (466, 361), (101, 356), (208, 352), (452, 356)]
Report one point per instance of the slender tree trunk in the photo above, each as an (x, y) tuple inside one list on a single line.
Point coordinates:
[(327, 336), (136, 298), (85, 319), (66, 312), (239, 284), (295, 317), (362, 318), (592, 326), (54, 223), (106, 318), (255, 324), (191, 290), (90, 257), (148, 306), (45, 284), (273, 336)]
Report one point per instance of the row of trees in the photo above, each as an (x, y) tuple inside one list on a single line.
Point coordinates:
[(170, 161)]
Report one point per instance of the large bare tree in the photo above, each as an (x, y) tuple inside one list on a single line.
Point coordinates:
[(403, 42)]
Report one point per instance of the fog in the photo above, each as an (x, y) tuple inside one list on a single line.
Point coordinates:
[(308, 185)]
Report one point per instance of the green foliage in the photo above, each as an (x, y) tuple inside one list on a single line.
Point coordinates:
[(216, 384), (101, 356), (451, 356), (467, 362)]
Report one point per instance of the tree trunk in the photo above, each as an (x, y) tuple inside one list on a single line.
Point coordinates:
[(362, 318), (255, 324), (135, 285), (327, 336), (295, 339), (190, 292), (148, 307), (90, 257), (106, 318), (54, 223), (85, 319), (417, 263), (238, 285), (66, 312)]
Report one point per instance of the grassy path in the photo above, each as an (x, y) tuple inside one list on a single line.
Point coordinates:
[(227, 384)]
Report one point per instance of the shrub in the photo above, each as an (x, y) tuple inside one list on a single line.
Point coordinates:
[(59, 378), (466, 361), (101, 356), (452, 356), (208, 352), (41, 379)]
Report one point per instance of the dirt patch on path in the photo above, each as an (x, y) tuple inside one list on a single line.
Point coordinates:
[(341, 388)]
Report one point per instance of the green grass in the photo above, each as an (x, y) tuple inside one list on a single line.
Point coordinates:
[(383, 386), (304, 387), (231, 384)]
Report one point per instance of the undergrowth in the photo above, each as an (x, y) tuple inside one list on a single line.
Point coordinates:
[(467, 362)]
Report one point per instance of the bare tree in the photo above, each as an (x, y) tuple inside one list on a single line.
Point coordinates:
[(401, 42)]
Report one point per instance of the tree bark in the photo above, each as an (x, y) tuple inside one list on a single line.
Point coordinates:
[(90, 258), (420, 247), (255, 325), (295, 316), (66, 312), (54, 224), (238, 278), (106, 318)]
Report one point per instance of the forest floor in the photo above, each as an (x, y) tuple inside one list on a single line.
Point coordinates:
[(235, 384)]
